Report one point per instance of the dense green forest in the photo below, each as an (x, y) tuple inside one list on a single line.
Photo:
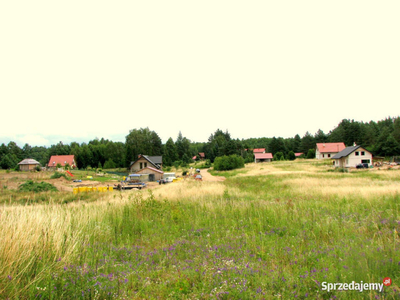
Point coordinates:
[(382, 138)]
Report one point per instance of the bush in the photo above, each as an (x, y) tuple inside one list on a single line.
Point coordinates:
[(31, 186), (311, 153), (58, 175), (230, 162), (207, 164), (109, 164), (278, 156), (291, 155), (176, 164)]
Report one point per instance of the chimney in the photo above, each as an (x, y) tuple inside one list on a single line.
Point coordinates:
[(323, 145)]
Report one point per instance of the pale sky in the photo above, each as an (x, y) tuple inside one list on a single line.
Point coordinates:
[(77, 70)]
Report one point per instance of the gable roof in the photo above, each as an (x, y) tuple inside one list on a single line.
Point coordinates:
[(154, 159), (346, 152), (62, 160), (330, 147), (202, 155), (29, 161), (297, 154), (263, 155), (259, 150)]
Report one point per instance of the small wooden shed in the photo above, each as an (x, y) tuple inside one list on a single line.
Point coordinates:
[(28, 164)]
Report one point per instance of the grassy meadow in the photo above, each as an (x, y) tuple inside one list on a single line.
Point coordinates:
[(269, 231)]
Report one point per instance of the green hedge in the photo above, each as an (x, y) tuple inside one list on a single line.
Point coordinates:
[(230, 162)]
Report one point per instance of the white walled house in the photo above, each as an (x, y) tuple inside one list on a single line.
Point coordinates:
[(352, 156), (328, 150)]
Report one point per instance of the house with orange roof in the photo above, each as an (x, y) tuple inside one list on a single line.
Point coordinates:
[(328, 150), (62, 160)]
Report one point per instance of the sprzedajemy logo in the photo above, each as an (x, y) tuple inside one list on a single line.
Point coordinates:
[(356, 286)]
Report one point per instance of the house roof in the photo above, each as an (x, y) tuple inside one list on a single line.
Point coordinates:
[(259, 150), (194, 157), (29, 161), (150, 168), (154, 159), (61, 159), (330, 147), (263, 155), (297, 154), (202, 155), (346, 152)]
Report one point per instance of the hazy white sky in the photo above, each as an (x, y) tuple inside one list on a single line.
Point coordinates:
[(76, 70)]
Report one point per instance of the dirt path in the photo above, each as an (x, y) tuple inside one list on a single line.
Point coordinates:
[(208, 177)]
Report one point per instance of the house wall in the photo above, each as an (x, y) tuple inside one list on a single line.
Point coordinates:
[(140, 164), (324, 155), (353, 160), (27, 167)]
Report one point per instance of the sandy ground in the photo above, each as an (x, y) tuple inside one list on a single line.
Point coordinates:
[(208, 177), (13, 180)]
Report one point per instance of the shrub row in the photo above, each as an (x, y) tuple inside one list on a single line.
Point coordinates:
[(230, 162)]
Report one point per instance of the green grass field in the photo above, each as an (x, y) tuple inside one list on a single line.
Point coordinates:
[(269, 231)]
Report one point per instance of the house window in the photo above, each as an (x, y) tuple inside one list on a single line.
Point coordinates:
[(141, 165), (145, 164), (366, 161), (362, 153), (357, 153), (323, 155), (329, 155)]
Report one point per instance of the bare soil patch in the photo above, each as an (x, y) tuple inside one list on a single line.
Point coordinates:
[(208, 177)]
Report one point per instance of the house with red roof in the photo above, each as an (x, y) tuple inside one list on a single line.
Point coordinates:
[(61, 160), (259, 150), (263, 157), (328, 150)]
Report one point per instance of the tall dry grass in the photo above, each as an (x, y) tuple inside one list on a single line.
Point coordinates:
[(265, 209)]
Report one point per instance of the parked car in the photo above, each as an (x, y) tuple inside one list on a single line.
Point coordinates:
[(169, 179), (198, 177), (362, 166)]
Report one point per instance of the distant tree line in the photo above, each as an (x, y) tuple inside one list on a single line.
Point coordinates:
[(382, 138)]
